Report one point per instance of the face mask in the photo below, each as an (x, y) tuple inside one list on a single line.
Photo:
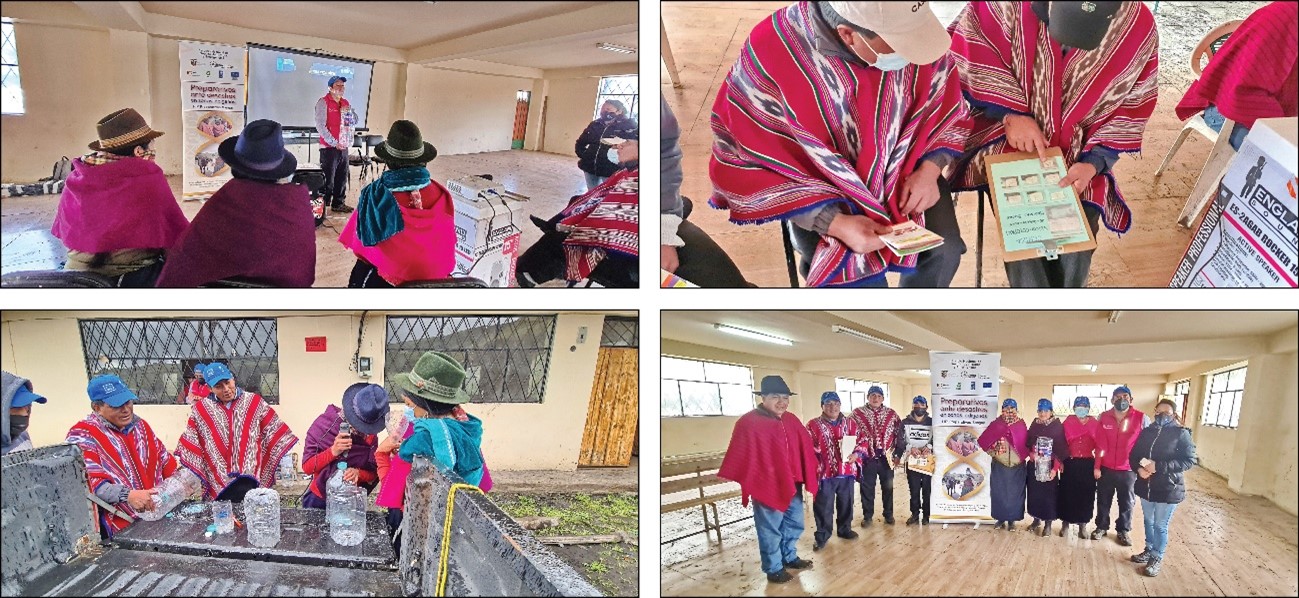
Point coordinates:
[(17, 425), (919, 412), (1081, 412), (613, 155), (148, 154), (1121, 405), (409, 412), (883, 62), (1163, 419), (610, 115)]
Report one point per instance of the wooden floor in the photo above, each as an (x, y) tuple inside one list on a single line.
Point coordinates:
[(706, 38), (548, 179), (1221, 544)]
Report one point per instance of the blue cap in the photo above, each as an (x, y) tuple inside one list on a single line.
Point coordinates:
[(1044, 405), (198, 368), (920, 399), (1009, 403), (24, 397), (336, 79), (828, 396), (216, 372), (1121, 389), (109, 389), (875, 390), (1084, 401)]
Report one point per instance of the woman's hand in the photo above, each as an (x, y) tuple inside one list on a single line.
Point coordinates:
[(859, 233), (1023, 134), (351, 474), (141, 500), (668, 259), (389, 444)]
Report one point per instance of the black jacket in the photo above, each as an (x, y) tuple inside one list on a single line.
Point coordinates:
[(593, 156), (1171, 449)]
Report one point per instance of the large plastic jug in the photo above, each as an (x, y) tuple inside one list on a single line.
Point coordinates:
[(262, 510), (171, 492), (1044, 461), (345, 509)]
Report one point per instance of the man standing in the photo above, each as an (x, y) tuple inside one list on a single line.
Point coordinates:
[(834, 488), (1115, 436), (334, 121), (877, 427), (771, 457), (915, 439), (839, 116)]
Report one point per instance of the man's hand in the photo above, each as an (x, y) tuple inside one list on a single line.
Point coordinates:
[(141, 500), (1050, 476), (342, 444), (668, 259), (920, 190), (1079, 175), (853, 458), (859, 233), (351, 474), (1096, 473), (1023, 134)]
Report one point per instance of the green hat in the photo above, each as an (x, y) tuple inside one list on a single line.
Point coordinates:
[(435, 377)]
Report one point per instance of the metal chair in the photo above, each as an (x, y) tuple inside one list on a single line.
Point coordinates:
[(369, 164)]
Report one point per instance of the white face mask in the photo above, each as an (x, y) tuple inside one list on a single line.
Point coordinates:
[(613, 155), (883, 62)]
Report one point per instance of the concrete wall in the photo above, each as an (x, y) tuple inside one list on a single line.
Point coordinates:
[(460, 112), (46, 348), (570, 100)]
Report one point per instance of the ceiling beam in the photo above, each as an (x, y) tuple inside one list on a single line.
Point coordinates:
[(482, 67), (593, 23), (128, 16), (595, 70), (1285, 341), (1188, 350)]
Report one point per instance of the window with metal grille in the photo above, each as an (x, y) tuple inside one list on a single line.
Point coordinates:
[(620, 332), (506, 357), (625, 89), (692, 388), (1222, 405), (852, 393), (155, 357), (1181, 391), (11, 89), (1062, 396)]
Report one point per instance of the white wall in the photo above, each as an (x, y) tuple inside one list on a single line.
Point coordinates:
[(463, 113)]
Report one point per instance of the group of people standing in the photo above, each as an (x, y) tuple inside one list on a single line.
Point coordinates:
[(234, 440), (1122, 454)]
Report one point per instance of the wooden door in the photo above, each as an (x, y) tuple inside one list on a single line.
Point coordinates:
[(613, 411), (520, 119)]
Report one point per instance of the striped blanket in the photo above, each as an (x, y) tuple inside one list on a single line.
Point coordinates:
[(248, 438), (604, 220), (796, 129), (136, 459), (1085, 100)]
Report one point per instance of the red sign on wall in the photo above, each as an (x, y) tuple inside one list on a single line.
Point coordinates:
[(315, 344)]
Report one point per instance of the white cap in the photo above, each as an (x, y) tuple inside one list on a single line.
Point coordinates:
[(909, 27)]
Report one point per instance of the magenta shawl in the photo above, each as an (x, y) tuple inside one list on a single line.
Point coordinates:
[(795, 129), (1016, 434), (124, 204), (1097, 98), (425, 249), (258, 231)]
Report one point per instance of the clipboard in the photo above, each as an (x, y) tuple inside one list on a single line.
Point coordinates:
[(1052, 247)]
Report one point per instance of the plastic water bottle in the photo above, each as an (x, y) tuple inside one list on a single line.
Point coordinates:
[(345, 510), (286, 470), (262, 510), (1044, 458), (171, 492)]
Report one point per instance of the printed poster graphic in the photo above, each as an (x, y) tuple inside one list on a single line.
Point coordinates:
[(212, 110), (965, 390)]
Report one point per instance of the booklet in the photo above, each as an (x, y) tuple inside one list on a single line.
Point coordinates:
[(909, 238)]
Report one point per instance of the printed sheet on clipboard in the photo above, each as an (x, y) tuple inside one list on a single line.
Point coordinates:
[(1034, 215)]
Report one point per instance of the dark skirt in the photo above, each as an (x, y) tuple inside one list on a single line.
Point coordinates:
[(1042, 497), (1007, 491), (1077, 490)]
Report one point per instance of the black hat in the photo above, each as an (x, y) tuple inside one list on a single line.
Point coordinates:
[(258, 151), (773, 385), (1081, 25), (405, 145)]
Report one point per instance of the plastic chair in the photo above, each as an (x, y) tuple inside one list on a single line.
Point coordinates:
[(1203, 53), (56, 279)]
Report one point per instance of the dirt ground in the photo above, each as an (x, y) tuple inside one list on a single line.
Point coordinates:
[(612, 567)]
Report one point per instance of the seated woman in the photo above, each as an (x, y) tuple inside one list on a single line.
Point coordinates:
[(117, 213), (257, 227), (605, 221), (403, 227), (329, 442)]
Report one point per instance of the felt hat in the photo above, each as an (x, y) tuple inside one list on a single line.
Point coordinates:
[(1010, 403), (1044, 405), (405, 145), (435, 377), (1082, 401), (24, 397), (921, 400), (875, 390), (828, 396), (366, 407), (1080, 25), (216, 372), (110, 389), (124, 128), (773, 385), (258, 151), (910, 28), (240, 484)]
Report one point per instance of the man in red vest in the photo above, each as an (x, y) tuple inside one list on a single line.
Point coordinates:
[(334, 121), (1117, 432)]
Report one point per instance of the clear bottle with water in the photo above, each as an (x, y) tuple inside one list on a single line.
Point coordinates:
[(1044, 446), (262, 510), (171, 492), (345, 509)]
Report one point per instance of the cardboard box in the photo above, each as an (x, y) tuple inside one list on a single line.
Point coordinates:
[(487, 236)]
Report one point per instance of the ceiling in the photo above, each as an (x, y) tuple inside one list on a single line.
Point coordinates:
[(571, 54), (810, 331)]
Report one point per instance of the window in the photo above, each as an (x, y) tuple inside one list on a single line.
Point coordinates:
[(154, 357), (11, 92), (1222, 406), (692, 388), (625, 89), (620, 332), (1181, 390), (1062, 396), (506, 357), (852, 393)]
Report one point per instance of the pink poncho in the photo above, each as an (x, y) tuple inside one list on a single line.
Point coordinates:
[(425, 247)]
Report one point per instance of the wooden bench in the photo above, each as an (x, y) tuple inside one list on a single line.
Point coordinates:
[(702, 471)]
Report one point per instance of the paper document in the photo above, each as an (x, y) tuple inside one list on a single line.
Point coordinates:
[(908, 238)]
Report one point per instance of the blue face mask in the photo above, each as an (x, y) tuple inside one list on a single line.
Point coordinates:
[(883, 62), (1081, 412), (409, 413), (613, 155)]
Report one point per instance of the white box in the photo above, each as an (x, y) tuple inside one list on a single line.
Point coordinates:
[(487, 236)]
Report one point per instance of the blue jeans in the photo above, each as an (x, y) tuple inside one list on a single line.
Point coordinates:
[(778, 532), (593, 180), (1215, 120), (1157, 516)]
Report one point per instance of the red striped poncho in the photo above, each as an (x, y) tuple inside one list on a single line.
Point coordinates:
[(248, 438), (1089, 99), (604, 220), (795, 129), (136, 459)]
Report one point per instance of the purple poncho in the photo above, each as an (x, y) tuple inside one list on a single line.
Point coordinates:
[(1016, 434), (125, 204)]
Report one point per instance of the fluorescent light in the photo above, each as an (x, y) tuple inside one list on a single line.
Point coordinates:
[(1091, 367), (616, 48), (762, 336), (866, 337), (921, 372)]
